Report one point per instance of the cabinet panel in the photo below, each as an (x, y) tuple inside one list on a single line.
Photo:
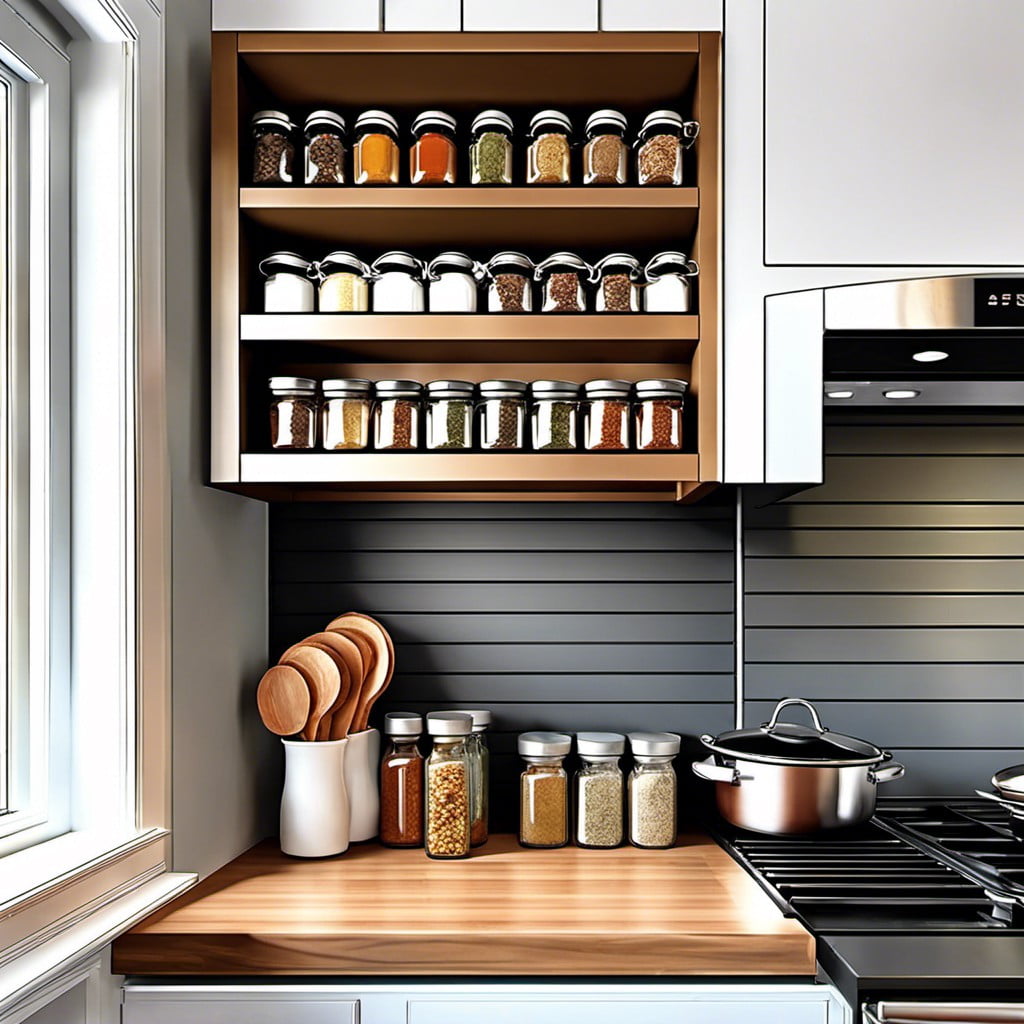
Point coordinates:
[(529, 16), (289, 16), (889, 135), (659, 15), (233, 1006), (422, 15)]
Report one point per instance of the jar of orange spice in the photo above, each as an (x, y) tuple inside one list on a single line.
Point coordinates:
[(432, 157), (375, 153), (401, 782)]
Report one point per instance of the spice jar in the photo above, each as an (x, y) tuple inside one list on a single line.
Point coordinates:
[(292, 413), (599, 790), (273, 149), (563, 277), (288, 288), (325, 148), (453, 288), (401, 781), (618, 278), (375, 153), (344, 284), (652, 790), (432, 157), (604, 152), (547, 156), (543, 790), (659, 415), (606, 415), (396, 415), (510, 289), (397, 283), (502, 415), (490, 149), (668, 286), (449, 415), (479, 775), (553, 415), (447, 817), (660, 143), (345, 415)]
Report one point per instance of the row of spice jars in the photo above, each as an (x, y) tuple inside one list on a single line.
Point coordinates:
[(495, 415), (605, 807), (659, 145), (398, 282)]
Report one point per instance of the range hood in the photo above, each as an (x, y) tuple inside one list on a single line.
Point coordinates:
[(943, 341)]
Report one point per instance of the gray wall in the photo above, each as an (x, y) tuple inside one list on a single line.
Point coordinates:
[(893, 596)]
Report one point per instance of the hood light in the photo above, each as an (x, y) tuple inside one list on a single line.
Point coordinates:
[(930, 356), (898, 394), (839, 394)]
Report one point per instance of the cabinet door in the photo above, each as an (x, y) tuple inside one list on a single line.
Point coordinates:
[(289, 16), (236, 1005), (892, 132)]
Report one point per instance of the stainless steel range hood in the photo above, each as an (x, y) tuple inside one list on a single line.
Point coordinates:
[(943, 341)]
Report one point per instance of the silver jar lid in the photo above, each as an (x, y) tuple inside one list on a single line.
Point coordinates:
[(403, 723), (341, 261), (399, 389), (491, 119), (481, 718), (611, 118), (661, 388), (544, 744), (449, 723), (600, 744), (284, 263), (565, 261), (272, 119), (457, 262), (617, 260), (436, 118), (338, 387), (450, 389), (654, 744), (550, 119), (554, 389), (378, 118), (305, 385), (510, 258), (671, 263), (327, 119), (397, 260), (607, 389), (502, 388)]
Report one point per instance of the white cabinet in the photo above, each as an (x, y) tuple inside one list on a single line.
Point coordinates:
[(892, 132), (290, 16), (235, 1004), (530, 16), (422, 15), (661, 15)]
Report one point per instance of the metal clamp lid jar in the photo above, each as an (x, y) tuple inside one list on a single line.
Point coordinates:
[(490, 151), (345, 414), (433, 153), (292, 412), (375, 153), (274, 150), (599, 789), (619, 281), (510, 289), (449, 415), (325, 148), (553, 415), (502, 415), (397, 283), (396, 415), (660, 143), (288, 287), (453, 283), (604, 152), (547, 156), (344, 283), (563, 277), (668, 287), (606, 415), (659, 414)]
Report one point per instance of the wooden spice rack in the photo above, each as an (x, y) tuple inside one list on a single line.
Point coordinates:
[(462, 73)]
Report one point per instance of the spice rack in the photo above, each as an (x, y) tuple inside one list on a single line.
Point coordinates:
[(521, 73)]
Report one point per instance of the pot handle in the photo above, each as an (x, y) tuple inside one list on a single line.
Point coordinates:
[(715, 772), (890, 773), (774, 721)]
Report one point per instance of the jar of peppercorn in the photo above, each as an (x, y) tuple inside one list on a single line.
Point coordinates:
[(292, 413), (606, 415), (449, 415), (659, 415), (432, 157), (553, 415), (502, 415), (375, 153), (604, 152), (273, 149), (401, 781), (448, 800), (511, 283), (547, 156), (563, 278), (490, 149), (325, 148), (618, 278), (660, 143), (396, 415)]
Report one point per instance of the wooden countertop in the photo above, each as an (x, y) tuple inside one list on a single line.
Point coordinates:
[(690, 910)]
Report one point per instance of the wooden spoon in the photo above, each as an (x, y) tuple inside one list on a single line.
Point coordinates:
[(338, 720), (368, 656), (324, 681), (383, 669), (283, 699)]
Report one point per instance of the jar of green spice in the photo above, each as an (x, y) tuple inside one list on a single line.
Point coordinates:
[(449, 415), (553, 413), (490, 149)]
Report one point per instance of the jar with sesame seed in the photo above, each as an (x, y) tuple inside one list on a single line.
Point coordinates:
[(447, 833)]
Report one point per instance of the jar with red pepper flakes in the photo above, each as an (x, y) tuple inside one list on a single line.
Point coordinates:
[(433, 154), (396, 415), (606, 415), (659, 415)]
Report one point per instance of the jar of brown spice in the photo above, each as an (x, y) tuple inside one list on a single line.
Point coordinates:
[(292, 413), (325, 148), (606, 415), (401, 781), (273, 149), (448, 786), (604, 152), (547, 156), (509, 283), (660, 144), (563, 277), (396, 415), (619, 284), (544, 790), (501, 415), (659, 415)]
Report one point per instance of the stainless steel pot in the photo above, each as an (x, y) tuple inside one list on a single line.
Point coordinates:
[(786, 779)]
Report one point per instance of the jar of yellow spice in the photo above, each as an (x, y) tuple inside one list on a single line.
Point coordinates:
[(344, 283), (544, 790), (346, 415), (547, 157)]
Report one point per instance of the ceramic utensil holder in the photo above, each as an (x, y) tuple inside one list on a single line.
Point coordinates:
[(361, 781), (314, 803)]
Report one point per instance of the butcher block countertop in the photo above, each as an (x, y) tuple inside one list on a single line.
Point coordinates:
[(690, 911)]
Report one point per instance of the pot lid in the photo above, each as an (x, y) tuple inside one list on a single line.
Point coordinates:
[(793, 744)]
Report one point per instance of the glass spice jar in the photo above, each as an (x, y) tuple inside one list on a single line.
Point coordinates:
[(344, 283), (544, 790), (447, 771), (668, 284), (345, 415), (605, 149), (619, 289), (449, 415), (563, 278), (433, 154), (511, 283), (401, 781), (288, 287), (547, 156), (292, 413), (599, 790), (479, 775), (452, 283), (659, 415), (660, 143), (375, 152), (553, 415), (396, 415), (398, 283), (606, 415), (273, 155), (652, 790), (502, 415), (325, 148), (490, 149)]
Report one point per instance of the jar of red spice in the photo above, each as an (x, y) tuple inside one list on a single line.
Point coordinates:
[(375, 152), (606, 415), (563, 278), (433, 154), (659, 415), (660, 144), (401, 781), (618, 277), (396, 415)]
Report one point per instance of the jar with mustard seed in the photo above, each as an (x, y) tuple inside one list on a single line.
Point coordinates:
[(553, 415), (599, 790), (660, 144), (659, 415), (490, 148), (447, 833), (345, 415), (344, 283), (375, 151), (544, 790), (547, 156), (605, 149)]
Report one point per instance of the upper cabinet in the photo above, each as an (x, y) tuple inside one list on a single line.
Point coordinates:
[(892, 132)]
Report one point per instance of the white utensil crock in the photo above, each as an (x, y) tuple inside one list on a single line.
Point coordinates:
[(361, 767), (314, 803)]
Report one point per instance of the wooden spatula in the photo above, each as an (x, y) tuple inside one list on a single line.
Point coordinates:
[(324, 681), (283, 699), (356, 624)]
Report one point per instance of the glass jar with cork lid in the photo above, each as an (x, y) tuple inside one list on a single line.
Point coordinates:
[(447, 773), (292, 413), (345, 415), (501, 415), (652, 790), (547, 156), (544, 790), (599, 790), (659, 415)]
